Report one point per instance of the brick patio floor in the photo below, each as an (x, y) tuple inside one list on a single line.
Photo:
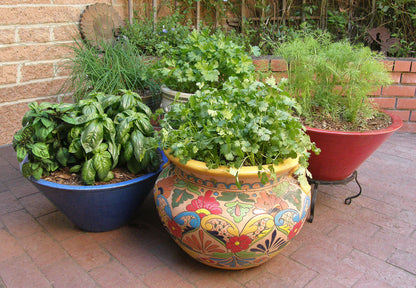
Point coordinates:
[(371, 243)]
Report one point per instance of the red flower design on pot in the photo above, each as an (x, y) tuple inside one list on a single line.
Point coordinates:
[(175, 229), (238, 243), (295, 230), (205, 205)]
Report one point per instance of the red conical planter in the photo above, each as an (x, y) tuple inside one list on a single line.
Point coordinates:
[(343, 152)]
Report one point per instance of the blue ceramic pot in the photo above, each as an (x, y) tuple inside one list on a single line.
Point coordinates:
[(103, 207)]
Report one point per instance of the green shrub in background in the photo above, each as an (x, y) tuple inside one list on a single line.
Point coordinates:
[(146, 36)]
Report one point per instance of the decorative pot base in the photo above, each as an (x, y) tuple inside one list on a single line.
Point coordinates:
[(225, 227)]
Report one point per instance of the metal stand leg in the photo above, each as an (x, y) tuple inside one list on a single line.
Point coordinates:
[(314, 193), (349, 199), (316, 184)]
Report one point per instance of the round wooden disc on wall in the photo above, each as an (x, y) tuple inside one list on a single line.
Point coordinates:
[(99, 23)]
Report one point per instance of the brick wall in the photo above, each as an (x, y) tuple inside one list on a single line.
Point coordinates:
[(399, 97), (34, 39)]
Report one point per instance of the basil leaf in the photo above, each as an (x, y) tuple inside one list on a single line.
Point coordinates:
[(102, 164), (40, 150), (92, 136), (88, 172)]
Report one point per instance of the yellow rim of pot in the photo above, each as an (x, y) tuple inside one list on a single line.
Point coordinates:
[(245, 171)]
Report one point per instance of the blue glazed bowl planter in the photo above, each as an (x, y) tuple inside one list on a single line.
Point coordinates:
[(103, 207)]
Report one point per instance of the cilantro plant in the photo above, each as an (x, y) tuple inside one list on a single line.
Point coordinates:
[(247, 123), (204, 59), (92, 137)]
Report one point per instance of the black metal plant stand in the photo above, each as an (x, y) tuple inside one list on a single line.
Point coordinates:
[(316, 184)]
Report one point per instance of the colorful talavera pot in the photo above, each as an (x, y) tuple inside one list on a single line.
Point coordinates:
[(223, 226)]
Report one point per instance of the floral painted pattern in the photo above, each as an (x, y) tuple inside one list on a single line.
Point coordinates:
[(295, 230), (238, 243), (205, 205), (226, 227), (174, 229)]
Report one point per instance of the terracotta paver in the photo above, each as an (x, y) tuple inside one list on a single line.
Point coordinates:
[(370, 243)]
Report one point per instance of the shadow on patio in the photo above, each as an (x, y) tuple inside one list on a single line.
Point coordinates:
[(370, 243)]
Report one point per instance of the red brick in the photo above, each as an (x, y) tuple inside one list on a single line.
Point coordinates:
[(126, 251), (37, 205), (31, 90), (59, 226), (388, 64), (261, 64), (34, 52), (402, 66), (21, 272), (65, 32), (15, 2), (279, 76), (395, 77), (21, 224), (68, 274), (404, 260), (413, 69), (278, 65), (74, 2), (37, 71), (43, 249), (409, 78), (400, 91), (403, 114), (289, 271), (406, 104), (379, 269), (385, 103), (375, 92), (9, 247), (408, 127), (7, 36), (8, 74), (413, 116), (86, 252), (39, 14), (8, 203), (164, 277), (115, 275), (35, 35)]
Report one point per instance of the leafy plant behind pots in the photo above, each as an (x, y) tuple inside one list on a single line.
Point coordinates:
[(91, 137), (205, 59), (247, 123), (331, 80), (117, 66)]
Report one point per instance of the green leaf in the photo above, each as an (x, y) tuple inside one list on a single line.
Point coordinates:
[(238, 210), (127, 101), (128, 151), (41, 150), (144, 109), (92, 136), (227, 196), (179, 196), (88, 172), (137, 140), (37, 173), (62, 156), (75, 169), (102, 164), (114, 150), (21, 153)]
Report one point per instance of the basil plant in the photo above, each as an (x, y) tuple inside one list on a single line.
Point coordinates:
[(92, 137)]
